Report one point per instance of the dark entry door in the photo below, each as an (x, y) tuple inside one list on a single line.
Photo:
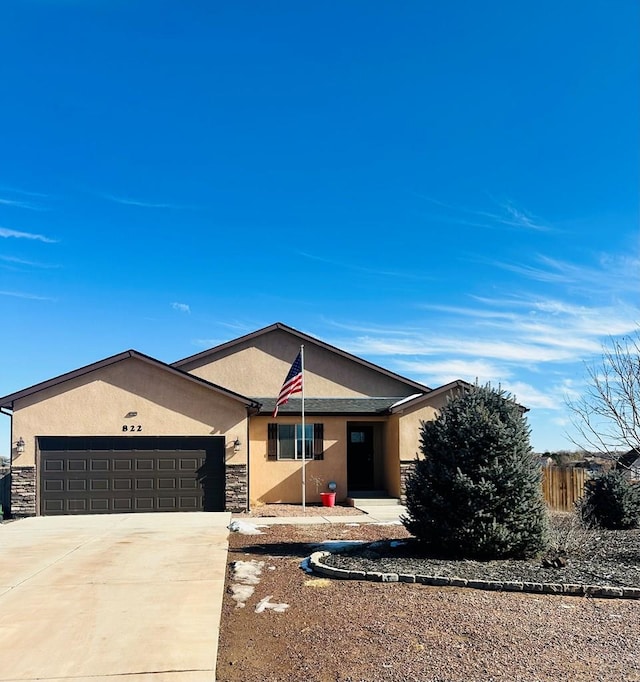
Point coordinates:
[(360, 457)]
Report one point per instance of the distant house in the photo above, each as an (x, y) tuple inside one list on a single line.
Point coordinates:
[(629, 463), (130, 433)]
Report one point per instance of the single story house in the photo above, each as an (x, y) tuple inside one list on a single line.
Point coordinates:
[(130, 433), (629, 464)]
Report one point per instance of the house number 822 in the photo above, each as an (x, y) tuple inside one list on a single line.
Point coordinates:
[(131, 427)]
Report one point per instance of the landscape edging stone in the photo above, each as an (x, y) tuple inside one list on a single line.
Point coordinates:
[(603, 591)]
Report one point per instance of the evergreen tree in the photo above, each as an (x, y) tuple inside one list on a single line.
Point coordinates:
[(477, 492), (611, 501)]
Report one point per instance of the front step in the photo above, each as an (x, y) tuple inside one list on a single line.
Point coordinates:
[(362, 498)]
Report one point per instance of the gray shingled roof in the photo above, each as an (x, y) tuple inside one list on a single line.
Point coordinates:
[(330, 406)]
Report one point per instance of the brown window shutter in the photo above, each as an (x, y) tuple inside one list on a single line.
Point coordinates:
[(318, 441), (272, 441)]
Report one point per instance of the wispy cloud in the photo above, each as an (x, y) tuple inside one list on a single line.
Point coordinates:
[(530, 396), (16, 203), (23, 192), (21, 294), (505, 215), (443, 371), (207, 343), (6, 232), (15, 198), (128, 201), (369, 271), (22, 261), (553, 276), (534, 345), (181, 307), (508, 350)]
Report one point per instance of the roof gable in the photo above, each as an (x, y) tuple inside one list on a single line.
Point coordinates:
[(8, 401), (444, 391), (194, 362)]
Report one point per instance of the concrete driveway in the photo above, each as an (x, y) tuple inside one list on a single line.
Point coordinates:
[(138, 595)]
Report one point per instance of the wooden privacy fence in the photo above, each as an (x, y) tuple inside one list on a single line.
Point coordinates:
[(563, 486)]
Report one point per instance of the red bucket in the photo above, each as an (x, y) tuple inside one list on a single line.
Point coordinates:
[(328, 499)]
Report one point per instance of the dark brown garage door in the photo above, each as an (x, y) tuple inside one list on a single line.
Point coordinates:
[(122, 475)]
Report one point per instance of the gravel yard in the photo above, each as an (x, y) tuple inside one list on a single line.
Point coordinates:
[(352, 631), (287, 510), (607, 558)]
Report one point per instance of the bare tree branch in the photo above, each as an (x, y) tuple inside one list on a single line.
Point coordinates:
[(607, 416)]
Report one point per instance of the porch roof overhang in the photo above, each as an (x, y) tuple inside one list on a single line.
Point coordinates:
[(330, 407)]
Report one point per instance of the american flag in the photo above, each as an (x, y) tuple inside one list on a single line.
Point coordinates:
[(292, 384)]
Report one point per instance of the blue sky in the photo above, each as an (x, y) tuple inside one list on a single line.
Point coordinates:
[(449, 190)]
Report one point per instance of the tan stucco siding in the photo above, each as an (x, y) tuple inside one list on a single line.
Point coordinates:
[(391, 455), (97, 403), (409, 431), (281, 481), (259, 367)]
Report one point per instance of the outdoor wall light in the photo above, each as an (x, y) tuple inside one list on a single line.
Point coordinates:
[(20, 445), (236, 445), (130, 414)]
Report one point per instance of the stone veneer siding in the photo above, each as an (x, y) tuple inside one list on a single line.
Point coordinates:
[(236, 488), (406, 467), (23, 491)]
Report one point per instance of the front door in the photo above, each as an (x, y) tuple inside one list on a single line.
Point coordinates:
[(360, 457)]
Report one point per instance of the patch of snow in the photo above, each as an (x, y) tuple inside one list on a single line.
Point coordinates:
[(247, 572), (241, 593), (407, 399), (338, 545), (244, 528), (266, 604)]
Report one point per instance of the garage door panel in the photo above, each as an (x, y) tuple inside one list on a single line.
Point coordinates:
[(77, 505), (190, 503), (128, 479), (122, 505), (97, 506), (53, 507)]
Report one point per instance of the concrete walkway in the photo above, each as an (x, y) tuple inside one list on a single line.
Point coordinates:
[(93, 597), (373, 514)]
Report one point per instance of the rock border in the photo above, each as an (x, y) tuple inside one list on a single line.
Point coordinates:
[(578, 590)]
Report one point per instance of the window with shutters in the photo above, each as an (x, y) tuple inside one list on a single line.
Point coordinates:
[(285, 441)]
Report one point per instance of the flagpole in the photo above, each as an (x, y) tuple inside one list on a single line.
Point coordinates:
[(304, 443)]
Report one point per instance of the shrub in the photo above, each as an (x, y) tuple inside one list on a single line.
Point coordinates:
[(610, 501), (477, 492), (568, 536)]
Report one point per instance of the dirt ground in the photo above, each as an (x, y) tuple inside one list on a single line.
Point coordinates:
[(287, 510), (351, 631)]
